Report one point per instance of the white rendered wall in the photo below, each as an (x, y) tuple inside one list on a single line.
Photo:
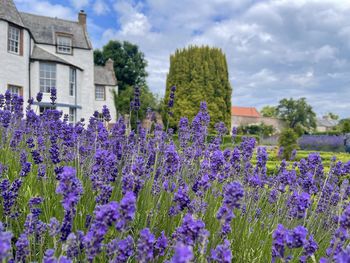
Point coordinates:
[(14, 68)]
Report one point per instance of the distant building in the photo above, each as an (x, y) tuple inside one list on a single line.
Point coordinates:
[(38, 53), (325, 124), (245, 116)]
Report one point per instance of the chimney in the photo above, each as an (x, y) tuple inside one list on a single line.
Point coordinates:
[(110, 64), (82, 18)]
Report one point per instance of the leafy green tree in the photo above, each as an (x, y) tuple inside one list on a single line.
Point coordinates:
[(289, 141), (297, 114), (332, 116), (344, 125), (130, 70), (257, 129), (129, 62), (147, 100), (199, 74), (269, 111)]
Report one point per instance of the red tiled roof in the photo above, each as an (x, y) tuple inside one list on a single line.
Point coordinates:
[(245, 111)]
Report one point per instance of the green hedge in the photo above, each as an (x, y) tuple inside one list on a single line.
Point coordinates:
[(328, 133)]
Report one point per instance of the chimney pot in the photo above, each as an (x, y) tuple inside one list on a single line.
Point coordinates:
[(82, 18), (110, 64)]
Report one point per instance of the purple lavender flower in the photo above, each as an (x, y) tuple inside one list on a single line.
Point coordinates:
[(5, 243), (278, 243), (297, 237), (39, 96), (183, 254), (22, 248), (298, 204), (72, 246), (233, 194), (53, 96), (191, 231), (106, 114), (310, 247), (71, 189), (121, 251), (161, 244), (171, 97), (145, 246), (105, 216), (222, 253), (127, 208)]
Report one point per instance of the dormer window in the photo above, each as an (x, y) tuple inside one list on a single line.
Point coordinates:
[(64, 44)]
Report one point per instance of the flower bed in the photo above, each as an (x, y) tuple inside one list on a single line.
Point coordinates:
[(75, 193), (322, 143)]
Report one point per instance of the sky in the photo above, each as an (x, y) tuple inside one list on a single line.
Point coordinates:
[(275, 49)]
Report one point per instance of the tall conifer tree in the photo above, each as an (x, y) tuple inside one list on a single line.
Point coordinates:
[(199, 74)]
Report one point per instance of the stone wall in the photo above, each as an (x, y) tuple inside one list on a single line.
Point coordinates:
[(237, 121)]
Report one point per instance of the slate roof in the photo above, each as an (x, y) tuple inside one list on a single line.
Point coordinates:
[(44, 29), (43, 55), (8, 12), (245, 111), (324, 122), (104, 76)]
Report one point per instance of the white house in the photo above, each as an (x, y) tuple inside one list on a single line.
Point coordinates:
[(38, 53)]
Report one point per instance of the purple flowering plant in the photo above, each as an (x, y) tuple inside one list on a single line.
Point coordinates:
[(87, 193)]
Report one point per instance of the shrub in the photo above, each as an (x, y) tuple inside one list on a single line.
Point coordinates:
[(288, 140)]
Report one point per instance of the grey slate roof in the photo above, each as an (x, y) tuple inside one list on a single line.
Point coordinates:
[(44, 30), (8, 12), (43, 55), (104, 76), (326, 122)]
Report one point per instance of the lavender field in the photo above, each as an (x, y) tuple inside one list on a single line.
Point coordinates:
[(82, 193)]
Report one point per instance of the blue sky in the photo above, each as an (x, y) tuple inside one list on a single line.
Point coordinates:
[(275, 49)]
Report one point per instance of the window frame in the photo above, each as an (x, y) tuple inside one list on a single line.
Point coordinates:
[(72, 115), (97, 98), (42, 109), (64, 48), (44, 79), (72, 81), (19, 89), (19, 40)]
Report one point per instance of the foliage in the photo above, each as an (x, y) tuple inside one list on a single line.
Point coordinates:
[(83, 193), (147, 101), (260, 129), (332, 116), (297, 113), (199, 74), (269, 111), (129, 62), (344, 125), (289, 141), (130, 69)]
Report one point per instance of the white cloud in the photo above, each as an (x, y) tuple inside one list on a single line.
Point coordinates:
[(80, 4), (45, 8), (100, 7)]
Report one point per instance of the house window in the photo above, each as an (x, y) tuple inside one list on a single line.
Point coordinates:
[(15, 89), (100, 93), (14, 39), (72, 112), (42, 109), (64, 44), (72, 81), (47, 77), (100, 117)]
